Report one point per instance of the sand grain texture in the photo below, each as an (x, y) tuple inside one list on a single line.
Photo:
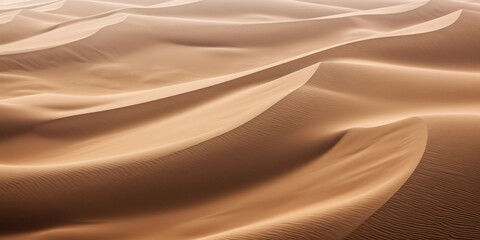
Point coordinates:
[(240, 119)]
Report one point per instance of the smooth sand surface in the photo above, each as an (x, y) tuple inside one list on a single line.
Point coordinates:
[(240, 119)]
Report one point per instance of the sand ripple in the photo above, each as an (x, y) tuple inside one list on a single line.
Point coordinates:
[(241, 119)]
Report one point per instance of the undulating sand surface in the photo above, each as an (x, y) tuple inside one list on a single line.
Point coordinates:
[(239, 119)]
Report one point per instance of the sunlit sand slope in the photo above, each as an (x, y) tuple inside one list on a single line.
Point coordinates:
[(216, 119)]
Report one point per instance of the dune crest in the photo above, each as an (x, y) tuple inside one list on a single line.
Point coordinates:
[(239, 119)]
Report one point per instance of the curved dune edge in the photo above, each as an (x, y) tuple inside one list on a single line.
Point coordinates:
[(82, 30), (444, 186), (305, 60), (332, 177), (231, 111), (275, 119), (79, 29), (25, 4), (326, 184)]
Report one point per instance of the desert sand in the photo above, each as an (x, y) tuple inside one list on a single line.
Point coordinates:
[(239, 119)]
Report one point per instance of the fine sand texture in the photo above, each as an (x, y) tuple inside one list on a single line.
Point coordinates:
[(239, 119)]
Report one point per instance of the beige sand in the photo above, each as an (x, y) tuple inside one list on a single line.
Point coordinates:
[(240, 119)]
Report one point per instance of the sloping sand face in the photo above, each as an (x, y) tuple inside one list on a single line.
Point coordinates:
[(239, 119)]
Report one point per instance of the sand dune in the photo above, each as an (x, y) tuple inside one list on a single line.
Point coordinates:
[(215, 119)]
